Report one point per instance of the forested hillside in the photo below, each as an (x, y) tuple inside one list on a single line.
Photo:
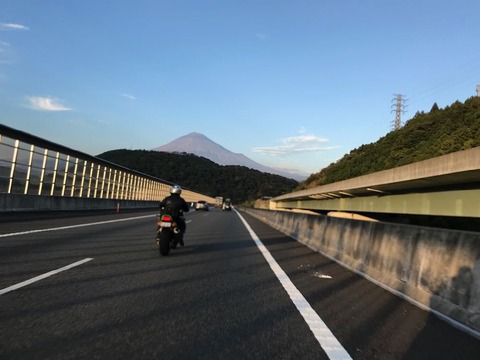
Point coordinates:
[(426, 135), (239, 183)]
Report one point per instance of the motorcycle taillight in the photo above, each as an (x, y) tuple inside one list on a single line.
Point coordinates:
[(166, 218)]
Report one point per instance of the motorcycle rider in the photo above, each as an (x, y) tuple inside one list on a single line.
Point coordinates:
[(175, 205)]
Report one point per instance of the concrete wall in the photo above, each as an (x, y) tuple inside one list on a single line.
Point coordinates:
[(11, 202), (436, 269)]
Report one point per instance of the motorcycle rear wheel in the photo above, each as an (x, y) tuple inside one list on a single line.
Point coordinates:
[(164, 244)]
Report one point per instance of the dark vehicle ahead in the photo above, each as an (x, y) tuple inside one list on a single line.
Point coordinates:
[(201, 205), (227, 205)]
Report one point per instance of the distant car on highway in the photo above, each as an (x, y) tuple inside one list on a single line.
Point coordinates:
[(201, 205), (227, 205)]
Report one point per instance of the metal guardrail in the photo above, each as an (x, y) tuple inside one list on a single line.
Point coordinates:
[(30, 165)]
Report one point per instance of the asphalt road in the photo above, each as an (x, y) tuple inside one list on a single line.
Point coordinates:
[(219, 297)]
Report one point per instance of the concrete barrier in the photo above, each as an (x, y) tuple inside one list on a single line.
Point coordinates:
[(436, 269), (13, 202)]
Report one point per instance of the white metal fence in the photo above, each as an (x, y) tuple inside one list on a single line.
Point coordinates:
[(33, 166)]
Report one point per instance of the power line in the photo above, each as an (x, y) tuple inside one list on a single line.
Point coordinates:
[(459, 77)]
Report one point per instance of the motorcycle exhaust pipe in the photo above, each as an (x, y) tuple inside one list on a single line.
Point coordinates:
[(176, 231)]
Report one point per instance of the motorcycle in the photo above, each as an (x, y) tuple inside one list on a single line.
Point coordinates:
[(168, 234)]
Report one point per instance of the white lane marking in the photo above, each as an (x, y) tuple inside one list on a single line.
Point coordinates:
[(73, 226), (43, 276), (322, 333), (322, 276)]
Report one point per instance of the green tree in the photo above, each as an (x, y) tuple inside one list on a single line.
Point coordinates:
[(440, 132)]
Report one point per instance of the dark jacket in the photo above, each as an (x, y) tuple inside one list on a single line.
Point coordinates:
[(174, 205)]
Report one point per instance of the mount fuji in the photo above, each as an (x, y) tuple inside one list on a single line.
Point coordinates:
[(200, 145)]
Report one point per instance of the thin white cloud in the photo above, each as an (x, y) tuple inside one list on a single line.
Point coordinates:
[(10, 26), (46, 104), (296, 145), (128, 96)]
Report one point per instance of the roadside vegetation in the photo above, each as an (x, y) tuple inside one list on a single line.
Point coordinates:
[(426, 135)]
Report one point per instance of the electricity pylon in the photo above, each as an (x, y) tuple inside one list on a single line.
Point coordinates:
[(399, 108)]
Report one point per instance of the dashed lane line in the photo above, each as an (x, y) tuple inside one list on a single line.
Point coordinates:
[(73, 226), (43, 276)]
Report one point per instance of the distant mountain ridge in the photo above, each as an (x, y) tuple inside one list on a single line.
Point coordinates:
[(239, 183), (200, 145)]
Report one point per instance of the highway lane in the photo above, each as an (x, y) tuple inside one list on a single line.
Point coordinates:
[(215, 298)]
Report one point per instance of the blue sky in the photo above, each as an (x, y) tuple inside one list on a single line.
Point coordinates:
[(291, 84)]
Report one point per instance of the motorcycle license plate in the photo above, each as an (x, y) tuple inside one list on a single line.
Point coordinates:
[(165, 224)]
